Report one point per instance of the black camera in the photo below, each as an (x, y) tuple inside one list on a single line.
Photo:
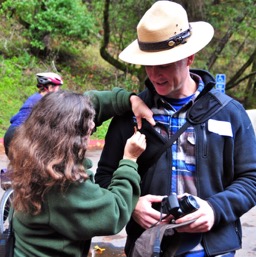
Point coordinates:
[(179, 207)]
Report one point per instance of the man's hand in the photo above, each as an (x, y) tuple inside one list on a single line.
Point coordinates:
[(204, 219), (144, 214), (141, 110)]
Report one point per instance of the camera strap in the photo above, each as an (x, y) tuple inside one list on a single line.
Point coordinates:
[(157, 242)]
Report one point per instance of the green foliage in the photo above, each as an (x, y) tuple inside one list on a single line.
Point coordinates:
[(81, 67), (66, 27), (239, 21), (86, 69), (101, 131), (61, 20), (18, 80), (14, 87), (123, 28)]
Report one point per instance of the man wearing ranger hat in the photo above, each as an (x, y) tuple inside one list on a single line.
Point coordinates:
[(198, 147)]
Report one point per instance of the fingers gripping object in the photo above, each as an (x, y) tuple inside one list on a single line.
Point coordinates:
[(149, 243), (178, 208)]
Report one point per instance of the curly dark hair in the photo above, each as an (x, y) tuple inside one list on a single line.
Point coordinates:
[(49, 148)]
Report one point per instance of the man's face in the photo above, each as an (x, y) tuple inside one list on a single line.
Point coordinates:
[(169, 80)]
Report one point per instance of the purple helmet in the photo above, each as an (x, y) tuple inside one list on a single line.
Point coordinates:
[(45, 78)]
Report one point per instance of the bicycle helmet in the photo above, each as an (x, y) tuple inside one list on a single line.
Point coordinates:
[(45, 78)]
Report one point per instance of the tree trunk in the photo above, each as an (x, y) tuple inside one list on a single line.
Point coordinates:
[(250, 92), (224, 40), (139, 73), (103, 49), (195, 9)]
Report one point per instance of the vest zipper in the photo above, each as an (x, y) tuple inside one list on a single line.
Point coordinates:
[(204, 140)]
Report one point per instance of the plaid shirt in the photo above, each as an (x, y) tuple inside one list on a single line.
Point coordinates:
[(169, 115)]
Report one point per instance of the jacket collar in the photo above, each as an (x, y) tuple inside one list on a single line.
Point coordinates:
[(206, 77)]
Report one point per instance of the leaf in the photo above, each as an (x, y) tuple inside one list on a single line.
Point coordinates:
[(97, 248)]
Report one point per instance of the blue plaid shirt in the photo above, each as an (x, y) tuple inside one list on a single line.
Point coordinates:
[(169, 115)]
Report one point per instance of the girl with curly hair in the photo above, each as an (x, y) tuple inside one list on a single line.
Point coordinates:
[(57, 206)]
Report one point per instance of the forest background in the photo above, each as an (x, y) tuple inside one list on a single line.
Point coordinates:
[(81, 40)]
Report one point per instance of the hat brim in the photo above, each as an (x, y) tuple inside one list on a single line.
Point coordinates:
[(202, 33)]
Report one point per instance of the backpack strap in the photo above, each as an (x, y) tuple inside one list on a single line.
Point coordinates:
[(207, 106), (169, 143), (202, 110)]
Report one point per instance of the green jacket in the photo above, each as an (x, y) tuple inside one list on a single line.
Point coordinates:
[(109, 103), (71, 218)]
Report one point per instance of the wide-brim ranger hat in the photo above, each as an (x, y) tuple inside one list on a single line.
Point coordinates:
[(164, 35)]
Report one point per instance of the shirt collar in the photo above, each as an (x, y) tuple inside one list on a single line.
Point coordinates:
[(161, 102)]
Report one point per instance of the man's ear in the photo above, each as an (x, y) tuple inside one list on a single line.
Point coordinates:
[(191, 59)]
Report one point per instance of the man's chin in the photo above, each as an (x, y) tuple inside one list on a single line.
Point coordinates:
[(162, 92)]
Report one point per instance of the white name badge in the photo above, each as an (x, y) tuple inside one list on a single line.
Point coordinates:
[(222, 128)]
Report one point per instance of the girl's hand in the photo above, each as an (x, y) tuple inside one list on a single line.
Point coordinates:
[(135, 146)]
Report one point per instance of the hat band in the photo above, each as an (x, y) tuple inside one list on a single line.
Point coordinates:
[(167, 44)]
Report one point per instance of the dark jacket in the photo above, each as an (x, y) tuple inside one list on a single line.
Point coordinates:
[(225, 164)]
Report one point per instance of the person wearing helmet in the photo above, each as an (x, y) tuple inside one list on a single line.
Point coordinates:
[(46, 82), (121, 100)]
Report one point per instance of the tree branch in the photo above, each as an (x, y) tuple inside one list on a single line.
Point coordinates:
[(224, 40), (235, 79), (106, 35), (248, 76)]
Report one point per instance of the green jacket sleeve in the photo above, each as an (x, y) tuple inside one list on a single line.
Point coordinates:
[(86, 210), (109, 103)]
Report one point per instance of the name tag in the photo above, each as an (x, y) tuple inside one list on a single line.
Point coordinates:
[(222, 128)]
